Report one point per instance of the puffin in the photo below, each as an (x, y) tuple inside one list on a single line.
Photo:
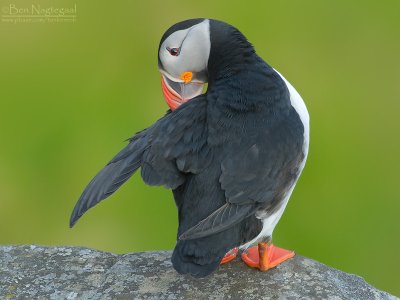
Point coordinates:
[(231, 148)]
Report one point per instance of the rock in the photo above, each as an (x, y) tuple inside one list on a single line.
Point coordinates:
[(37, 272)]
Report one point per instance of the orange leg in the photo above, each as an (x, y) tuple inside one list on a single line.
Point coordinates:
[(265, 256), (231, 255)]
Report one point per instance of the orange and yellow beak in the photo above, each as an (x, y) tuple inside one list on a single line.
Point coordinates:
[(178, 92)]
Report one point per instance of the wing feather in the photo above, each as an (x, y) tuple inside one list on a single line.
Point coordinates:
[(110, 178), (221, 219), (156, 150)]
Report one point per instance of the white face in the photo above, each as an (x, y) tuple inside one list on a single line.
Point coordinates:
[(186, 50)]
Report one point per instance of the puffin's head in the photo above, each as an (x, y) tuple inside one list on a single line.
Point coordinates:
[(182, 60), (197, 51)]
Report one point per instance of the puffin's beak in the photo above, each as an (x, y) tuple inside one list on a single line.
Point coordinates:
[(177, 93)]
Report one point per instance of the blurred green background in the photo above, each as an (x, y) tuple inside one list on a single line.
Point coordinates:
[(72, 93)]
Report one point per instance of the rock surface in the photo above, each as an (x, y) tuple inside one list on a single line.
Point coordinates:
[(37, 272)]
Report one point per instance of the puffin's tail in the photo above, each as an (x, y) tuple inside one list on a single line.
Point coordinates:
[(200, 257), (188, 259), (112, 176)]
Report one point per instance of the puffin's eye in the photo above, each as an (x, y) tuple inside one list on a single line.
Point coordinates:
[(174, 51)]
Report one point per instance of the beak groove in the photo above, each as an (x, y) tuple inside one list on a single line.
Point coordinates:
[(177, 93)]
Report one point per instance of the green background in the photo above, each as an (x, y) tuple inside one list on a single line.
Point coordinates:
[(72, 93)]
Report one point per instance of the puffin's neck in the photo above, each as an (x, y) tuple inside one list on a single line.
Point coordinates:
[(239, 80), (230, 52), (249, 86)]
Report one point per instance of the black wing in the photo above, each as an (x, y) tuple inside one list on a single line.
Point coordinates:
[(163, 151), (112, 176), (255, 173)]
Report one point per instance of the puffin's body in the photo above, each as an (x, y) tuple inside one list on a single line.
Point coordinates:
[(231, 156)]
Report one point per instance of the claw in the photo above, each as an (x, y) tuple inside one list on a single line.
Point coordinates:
[(231, 255)]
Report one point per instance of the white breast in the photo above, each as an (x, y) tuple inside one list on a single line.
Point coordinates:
[(270, 222), (300, 107)]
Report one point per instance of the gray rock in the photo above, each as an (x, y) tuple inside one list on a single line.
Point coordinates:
[(37, 272)]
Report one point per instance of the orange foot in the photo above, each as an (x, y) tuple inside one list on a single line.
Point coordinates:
[(230, 256), (265, 256)]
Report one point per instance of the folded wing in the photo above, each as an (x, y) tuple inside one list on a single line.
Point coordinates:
[(255, 173)]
